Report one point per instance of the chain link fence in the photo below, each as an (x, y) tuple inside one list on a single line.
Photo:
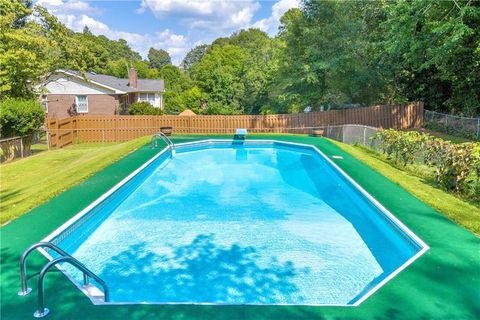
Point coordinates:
[(348, 133), (24, 146), (455, 125)]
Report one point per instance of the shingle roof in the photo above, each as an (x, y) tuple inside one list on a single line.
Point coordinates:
[(143, 85)]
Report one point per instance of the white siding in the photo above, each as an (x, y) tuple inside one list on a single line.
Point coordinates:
[(63, 84)]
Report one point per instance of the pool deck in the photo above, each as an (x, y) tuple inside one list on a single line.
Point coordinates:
[(444, 283)]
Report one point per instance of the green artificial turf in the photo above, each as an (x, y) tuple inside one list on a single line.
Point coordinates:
[(442, 284)]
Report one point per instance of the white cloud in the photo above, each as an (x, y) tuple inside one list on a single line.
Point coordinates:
[(219, 15), (47, 3), (58, 7), (77, 23), (271, 24)]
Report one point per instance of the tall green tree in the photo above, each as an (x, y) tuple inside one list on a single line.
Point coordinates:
[(195, 55), (432, 50), (259, 65), (32, 50), (325, 58), (158, 58), (219, 76)]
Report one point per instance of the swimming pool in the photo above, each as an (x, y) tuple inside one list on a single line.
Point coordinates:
[(260, 222)]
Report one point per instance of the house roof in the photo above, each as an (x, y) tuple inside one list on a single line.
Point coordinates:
[(120, 84)]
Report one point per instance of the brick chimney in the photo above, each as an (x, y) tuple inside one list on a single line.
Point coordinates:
[(132, 78)]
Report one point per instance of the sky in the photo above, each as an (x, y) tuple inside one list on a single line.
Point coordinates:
[(172, 25)]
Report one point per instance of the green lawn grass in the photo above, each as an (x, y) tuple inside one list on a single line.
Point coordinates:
[(28, 182), (464, 213)]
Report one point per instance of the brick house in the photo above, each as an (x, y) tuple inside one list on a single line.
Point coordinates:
[(67, 93)]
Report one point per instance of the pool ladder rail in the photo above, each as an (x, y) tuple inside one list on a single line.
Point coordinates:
[(165, 139), (64, 258)]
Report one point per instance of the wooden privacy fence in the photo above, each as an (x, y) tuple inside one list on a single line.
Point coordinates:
[(86, 128)]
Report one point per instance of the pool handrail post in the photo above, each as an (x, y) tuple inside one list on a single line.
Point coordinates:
[(165, 139), (25, 290), (41, 310)]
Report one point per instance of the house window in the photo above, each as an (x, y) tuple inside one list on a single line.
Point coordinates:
[(45, 103), (147, 97), (82, 104)]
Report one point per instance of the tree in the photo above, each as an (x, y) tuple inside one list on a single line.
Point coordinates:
[(324, 60), (195, 55), (432, 50), (188, 99), (158, 58), (219, 76), (258, 68), (118, 49), (175, 79), (25, 52), (337, 53), (22, 9), (180, 92)]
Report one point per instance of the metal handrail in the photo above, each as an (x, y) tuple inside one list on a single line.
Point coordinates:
[(165, 139), (65, 257), (41, 310), (23, 264)]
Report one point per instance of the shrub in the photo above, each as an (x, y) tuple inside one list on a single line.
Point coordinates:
[(19, 118), (401, 146), (457, 166), (143, 108)]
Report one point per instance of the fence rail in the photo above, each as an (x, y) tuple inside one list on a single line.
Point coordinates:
[(351, 133), (468, 127), (22, 146), (122, 128)]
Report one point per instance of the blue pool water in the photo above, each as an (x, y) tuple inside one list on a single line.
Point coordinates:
[(261, 223)]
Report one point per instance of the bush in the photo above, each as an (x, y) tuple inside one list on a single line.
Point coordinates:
[(457, 166), (143, 108), (402, 146), (19, 118)]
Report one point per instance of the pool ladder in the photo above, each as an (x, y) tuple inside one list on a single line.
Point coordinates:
[(165, 139), (64, 258)]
